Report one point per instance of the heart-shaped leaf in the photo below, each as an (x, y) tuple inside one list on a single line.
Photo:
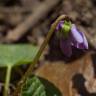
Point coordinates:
[(16, 54)]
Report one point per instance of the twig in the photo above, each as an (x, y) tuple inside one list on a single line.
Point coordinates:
[(32, 20)]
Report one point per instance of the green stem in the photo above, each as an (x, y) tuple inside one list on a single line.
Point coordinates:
[(7, 81), (29, 71)]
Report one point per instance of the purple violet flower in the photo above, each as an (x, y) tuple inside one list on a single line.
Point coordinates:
[(70, 37)]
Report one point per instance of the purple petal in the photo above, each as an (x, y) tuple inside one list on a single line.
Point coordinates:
[(73, 41), (59, 26), (81, 46), (85, 43), (65, 46), (76, 34)]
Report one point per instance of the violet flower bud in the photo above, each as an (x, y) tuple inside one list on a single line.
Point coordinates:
[(69, 37)]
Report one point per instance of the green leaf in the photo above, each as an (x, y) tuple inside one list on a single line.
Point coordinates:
[(33, 87), (37, 86), (16, 54)]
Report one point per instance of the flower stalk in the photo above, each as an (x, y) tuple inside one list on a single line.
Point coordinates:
[(7, 81), (43, 45)]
